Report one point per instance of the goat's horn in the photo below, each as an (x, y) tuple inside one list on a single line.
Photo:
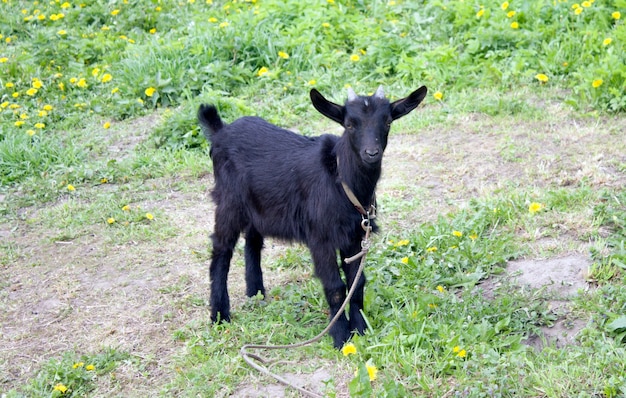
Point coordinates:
[(351, 94), (380, 93)]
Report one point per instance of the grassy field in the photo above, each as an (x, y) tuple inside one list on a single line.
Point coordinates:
[(517, 154)]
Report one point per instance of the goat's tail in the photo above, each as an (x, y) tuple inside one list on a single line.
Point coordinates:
[(209, 120)]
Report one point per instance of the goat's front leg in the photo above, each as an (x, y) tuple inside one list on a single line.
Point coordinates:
[(357, 323), (325, 259), (224, 240), (254, 274)]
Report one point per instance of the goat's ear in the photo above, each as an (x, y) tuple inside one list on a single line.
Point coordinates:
[(325, 107), (403, 106)]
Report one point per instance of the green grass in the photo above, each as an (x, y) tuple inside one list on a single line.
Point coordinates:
[(75, 78)]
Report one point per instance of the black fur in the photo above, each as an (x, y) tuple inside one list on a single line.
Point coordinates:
[(273, 182)]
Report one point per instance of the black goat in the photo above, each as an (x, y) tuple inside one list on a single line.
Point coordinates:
[(273, 182)]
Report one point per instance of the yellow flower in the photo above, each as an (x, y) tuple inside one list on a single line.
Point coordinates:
[(534, 207), (30, 132), (607, 41), (106, 78), (438, 95), (65, 5), (586, 4), (39, 125), (4, 104), (43, 113), (152, 31), (283, 55), (115, 12), (149, 216), (95, 72), (541, 77), (23, 116), (78, 365), (441, 289), (82, 83), (19, 123), (514, 25), (70, 188), (126, 208), (3, 60), (348, 349), (150, 91), (327, 25), (37, 83), (9, 85), (473, 236), (578, 10), (106, 125), (312, 82), (510, 14), (480, 13), (462, 354), (31, 91), (402, 242), (157, 9), (111, 220), (597, 83), (404, 260), (90, 367), (224, 24), (212, 19), (458, 234), (616, 15), (15, 94), (504, 5), (354, 58), (115, 90), (60, 387), (103, 180), (47, 107), (62, 32), (263, 71), (431, 249), (372, 370), (456, 349)]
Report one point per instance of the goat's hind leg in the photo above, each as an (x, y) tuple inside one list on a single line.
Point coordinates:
[(224, 240), (254, 274)]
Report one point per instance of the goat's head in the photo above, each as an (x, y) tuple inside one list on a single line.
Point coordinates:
[(367, 119)]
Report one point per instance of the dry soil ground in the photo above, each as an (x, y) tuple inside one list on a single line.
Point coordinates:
[(84, 294)]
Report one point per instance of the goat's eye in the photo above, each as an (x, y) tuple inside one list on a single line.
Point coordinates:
[(349, 126)]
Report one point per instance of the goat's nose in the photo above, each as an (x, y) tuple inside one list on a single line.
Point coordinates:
[(372, 152)]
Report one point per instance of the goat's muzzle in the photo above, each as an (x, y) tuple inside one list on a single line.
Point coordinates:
[(372, 155)]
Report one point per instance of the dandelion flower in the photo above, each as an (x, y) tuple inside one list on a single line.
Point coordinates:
[(126, 208), (110, 220), (115, 12), (473, 236), (47, 107), (65, 5), (115, 90), (597, 83), (40, 125), (312, 82), (441, 289), (461, 354), (152, 31), (106, 125), (438, 95), (61, 388), (480, 13), (607, 41), (514, 25), (327, 25), (43, 113), (30, 132), (372, 370), (263, 71), (578, 10), (104, 180), (82, 83), (402, 242), (616, 15), (224, 24), (3, 60), (504, 5), (354, 58), (212, 19), (283, 55), (90, 367), (62, 32), (9, 85), (431, 249), (150, 91), (19, 123), (348, 349), (458, 234), (95, 72), (404, 260), (70, 188), (586, 4), (149, 216), (511, 14), (78, 365), (37, 83), (541, 77), (31, 91), (534, 207), (106, 78)]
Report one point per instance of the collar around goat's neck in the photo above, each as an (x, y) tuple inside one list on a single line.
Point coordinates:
[(367, 213)]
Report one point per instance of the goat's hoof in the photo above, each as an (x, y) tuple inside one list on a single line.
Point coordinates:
[(220, 318)]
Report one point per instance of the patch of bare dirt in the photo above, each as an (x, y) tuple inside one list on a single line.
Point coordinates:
[(84, 295)]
